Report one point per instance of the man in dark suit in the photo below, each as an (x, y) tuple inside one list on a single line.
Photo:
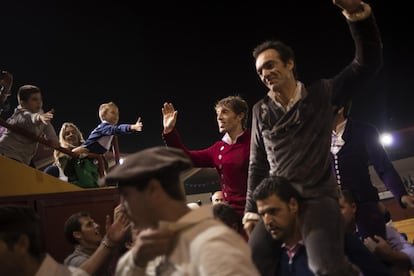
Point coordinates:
[(354, 146)]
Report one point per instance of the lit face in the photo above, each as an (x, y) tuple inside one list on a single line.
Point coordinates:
[(138, 206), (227, 120), (279, 217), (112, 115), (89, 235), (34, 104), (71, 136), (348, 212), (272, 71), (217, 198)]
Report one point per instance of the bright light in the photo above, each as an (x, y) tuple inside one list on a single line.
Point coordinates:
[(386, 139), (121, 160)]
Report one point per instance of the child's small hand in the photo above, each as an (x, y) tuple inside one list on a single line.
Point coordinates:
[(138, 125)]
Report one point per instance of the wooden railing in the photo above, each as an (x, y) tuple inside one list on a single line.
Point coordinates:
[(39, 139)]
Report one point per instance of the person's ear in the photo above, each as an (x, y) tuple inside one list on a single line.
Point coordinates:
[(290, 64), (241, 116), (293, 205), (154, 187), (77, 235), (354, 207), (21, 247)]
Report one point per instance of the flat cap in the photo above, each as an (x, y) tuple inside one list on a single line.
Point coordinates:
[(147, 163)]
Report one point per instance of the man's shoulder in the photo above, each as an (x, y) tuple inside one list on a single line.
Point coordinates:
[(51, 267), (261, 103), (214, 230), (75, 259)]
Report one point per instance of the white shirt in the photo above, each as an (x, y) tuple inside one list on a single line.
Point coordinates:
[(296, 97), (205, 246), (337, 142), (398, 243)]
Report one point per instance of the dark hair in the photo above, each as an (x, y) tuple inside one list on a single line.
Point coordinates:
[(72, 224), (227, 215), (237, 104), (275, 185), (348, 196), (18, 220), (25, 91), (347, 108), (285, 52)]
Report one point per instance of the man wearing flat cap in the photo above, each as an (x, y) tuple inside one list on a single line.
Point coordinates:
[(172, 239)]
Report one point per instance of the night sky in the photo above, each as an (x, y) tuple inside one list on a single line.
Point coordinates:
[(81, 56)]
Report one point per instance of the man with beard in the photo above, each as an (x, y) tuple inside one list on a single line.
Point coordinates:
[(280, 207)]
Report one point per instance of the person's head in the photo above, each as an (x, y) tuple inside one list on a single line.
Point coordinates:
[(81, 229), (278, 205), (30, 98), (227, 215), (109, 112), (149, 184), (348, 207), (275, 64), (343, 113), (70, 136), (217, 197), (19, 239), (232, 112)]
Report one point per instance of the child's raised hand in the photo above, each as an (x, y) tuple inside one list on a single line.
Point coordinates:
[(138, 125)]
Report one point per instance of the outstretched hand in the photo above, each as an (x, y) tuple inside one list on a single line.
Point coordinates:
[(6, 81), (46, 117), (138, 125), (169, 117)]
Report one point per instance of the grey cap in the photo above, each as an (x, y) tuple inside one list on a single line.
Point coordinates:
[(147, 163)]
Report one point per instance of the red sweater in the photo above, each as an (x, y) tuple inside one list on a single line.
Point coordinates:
[(230, 161)]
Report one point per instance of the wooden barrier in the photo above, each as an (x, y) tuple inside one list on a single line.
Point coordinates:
[(54, 208)]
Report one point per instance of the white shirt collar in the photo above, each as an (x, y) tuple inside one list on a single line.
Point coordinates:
[(339, 130), (226, 138), (296, 97)]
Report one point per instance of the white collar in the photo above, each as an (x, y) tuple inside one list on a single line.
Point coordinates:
[(226, 138), (296, 97)]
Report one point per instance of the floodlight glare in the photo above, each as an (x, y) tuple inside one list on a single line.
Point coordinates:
[(386, 139)]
